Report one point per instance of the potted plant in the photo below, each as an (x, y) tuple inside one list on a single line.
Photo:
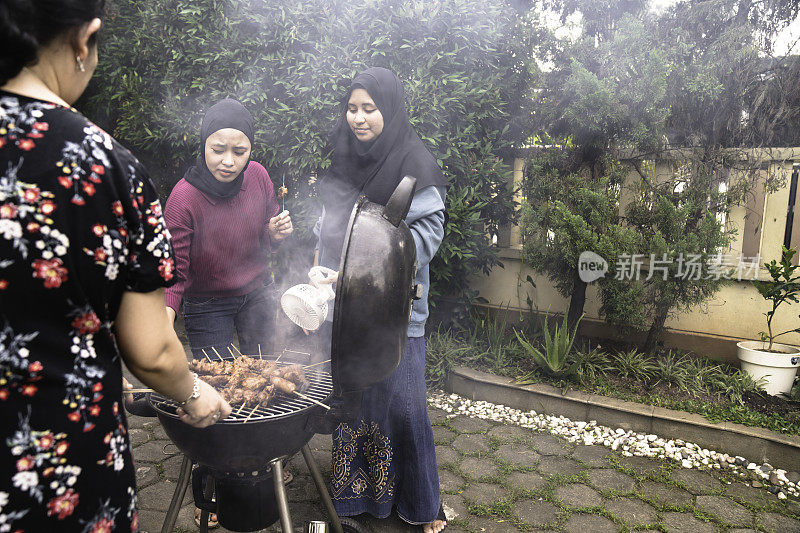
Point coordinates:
[(776, 363)]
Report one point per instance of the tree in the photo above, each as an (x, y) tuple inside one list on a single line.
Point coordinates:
[(461, 61)]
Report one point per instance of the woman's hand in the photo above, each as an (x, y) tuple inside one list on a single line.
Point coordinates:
[(208, 408), (280, 226)]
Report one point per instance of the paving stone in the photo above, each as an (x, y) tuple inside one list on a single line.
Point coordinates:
[(150, 424), (740, 530), (487, 524), (172, 467), (529, 481), (536, 513), (578, 495), (321, 442), (465, 424), (138, 436), (477, 468), (747, 494), (485, 493), (510, 433), (666, 495), (564, 466), (158, 496), (136, 422), (153, 451), (146, 474), (634, 512), (302, 489), (550, 445), (471, 443), (686, 523), (608, 479), (456, 504), (590, 522), (594, 456), (696, 481), (449, 481), (436, 416), (728, 511), (159, 433), (776, 522), (442, 435), (445, 455), (323, 460), (151, 521), (517, 455), (644, 466)]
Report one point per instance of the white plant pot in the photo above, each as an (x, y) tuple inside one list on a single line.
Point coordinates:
[(778, 369)]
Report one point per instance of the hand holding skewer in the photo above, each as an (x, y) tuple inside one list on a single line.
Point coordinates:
[(280, 226)]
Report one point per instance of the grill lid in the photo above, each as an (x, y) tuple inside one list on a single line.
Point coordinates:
[(374, 292)]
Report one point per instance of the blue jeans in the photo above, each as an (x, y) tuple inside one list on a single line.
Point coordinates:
[(211, 322)]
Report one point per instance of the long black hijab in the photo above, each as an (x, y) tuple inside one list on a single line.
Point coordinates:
[(374, 168), (227, 113)]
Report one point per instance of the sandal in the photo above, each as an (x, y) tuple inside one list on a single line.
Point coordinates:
[(441, 516), (212, 518)]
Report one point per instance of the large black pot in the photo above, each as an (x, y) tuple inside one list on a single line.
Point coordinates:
[(374, 292)]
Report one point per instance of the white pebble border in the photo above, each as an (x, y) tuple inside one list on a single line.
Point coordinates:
[(628, 443)]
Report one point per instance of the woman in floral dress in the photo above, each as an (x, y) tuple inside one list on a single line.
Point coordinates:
[(84, 257)]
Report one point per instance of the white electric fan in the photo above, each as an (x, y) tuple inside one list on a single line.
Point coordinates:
[(307, 304)]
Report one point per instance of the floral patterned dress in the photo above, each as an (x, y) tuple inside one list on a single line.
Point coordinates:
[(80, 224)]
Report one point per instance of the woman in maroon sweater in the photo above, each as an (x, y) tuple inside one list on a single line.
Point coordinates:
[(224, 219)]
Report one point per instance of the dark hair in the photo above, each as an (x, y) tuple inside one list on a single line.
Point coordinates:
[(27, 25)]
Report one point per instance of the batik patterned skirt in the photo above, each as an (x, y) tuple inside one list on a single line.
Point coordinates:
[(387, 457)]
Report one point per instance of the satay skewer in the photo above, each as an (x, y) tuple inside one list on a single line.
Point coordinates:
[(315, 364), (240, 408), (259, 351), (252, 412), (312, 400), (204, 353), (218, 355), (132, 391), (231, 352), (237, 350)]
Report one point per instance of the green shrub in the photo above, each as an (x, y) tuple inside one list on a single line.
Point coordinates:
[(463, 63), (633, 364), (671, 369), (443, 350), (590, 364)]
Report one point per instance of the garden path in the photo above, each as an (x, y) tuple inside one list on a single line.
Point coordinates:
[(498, 479)]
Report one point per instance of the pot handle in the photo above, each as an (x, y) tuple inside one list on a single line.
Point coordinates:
[(200, 477), (400, 201)]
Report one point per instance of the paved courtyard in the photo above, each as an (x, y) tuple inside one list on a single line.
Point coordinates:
[(501, 479)]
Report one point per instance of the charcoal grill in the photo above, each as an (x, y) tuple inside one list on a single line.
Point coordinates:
[(240, 458)]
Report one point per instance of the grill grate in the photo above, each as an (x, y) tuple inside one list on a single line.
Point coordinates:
[(282, 405)]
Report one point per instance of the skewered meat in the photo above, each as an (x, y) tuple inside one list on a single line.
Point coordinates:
[(283, 385), (251, 381)]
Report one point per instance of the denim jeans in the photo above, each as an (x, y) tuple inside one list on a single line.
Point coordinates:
[(211, 322)]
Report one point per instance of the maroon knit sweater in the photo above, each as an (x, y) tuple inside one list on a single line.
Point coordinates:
[(221, 246)]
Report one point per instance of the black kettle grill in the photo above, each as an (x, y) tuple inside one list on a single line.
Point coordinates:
[(239, 458)]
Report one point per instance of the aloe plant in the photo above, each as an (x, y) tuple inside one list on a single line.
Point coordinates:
[(554, 361)]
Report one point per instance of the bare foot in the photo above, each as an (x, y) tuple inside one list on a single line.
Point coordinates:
[(434, 527)]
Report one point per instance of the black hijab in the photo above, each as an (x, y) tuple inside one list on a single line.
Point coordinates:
[(226, 113), (374, 168)]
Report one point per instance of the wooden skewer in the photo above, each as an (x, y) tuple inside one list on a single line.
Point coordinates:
[(218, 355), (240, 408), (231, 352), (237, 349), (131, 391), (207, 357), (283, 189), (259, 351), (315, 364), (312, 400), (279, 357), (253, 411)]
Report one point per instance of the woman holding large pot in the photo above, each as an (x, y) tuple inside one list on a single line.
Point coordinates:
[(84, 259), (386, 458)]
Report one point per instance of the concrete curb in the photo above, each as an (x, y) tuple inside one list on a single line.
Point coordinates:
[(756, 444)]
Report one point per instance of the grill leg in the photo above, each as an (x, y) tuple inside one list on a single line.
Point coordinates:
[(322, 489), (177, 496), (280, 496), (208, 493)]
